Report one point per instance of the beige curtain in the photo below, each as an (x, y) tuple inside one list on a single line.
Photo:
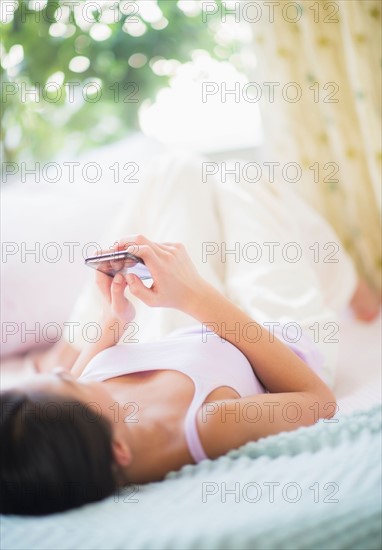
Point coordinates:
[(331, 52)]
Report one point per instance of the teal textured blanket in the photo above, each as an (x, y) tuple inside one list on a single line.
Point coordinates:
[(314, 488)]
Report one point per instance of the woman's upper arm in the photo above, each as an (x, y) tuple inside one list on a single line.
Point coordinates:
[(228, 424)]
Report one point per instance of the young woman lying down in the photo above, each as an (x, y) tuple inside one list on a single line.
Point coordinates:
[(129, 414)]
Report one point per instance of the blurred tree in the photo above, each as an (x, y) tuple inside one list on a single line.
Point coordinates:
[(80, 70)]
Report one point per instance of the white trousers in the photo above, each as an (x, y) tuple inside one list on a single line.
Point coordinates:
[(259, 244)]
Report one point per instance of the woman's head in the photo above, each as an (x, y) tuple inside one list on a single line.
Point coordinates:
[(59, 449)]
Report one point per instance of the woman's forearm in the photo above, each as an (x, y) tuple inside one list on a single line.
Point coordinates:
[(111, 331), (278, 368)]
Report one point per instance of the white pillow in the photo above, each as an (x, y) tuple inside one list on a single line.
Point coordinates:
[(39, 290)]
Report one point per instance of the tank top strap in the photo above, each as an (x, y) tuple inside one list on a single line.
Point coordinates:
[(202, 388)]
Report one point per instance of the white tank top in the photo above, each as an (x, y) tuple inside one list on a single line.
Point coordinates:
[(210, 361)]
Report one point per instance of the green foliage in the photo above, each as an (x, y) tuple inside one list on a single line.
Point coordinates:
[(43, 127)]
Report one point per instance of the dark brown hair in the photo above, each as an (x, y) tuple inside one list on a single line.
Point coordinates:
[(56, 454)]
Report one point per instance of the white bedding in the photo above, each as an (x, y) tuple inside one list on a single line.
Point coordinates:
[(358, 382)]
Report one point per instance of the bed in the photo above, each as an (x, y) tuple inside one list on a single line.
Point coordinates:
[(314, 488)]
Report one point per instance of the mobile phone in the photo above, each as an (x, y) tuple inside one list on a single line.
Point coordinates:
[(119, 262)]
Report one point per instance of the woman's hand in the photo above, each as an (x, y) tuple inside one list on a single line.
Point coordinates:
[(176, 281), (116, 305), (117, 310)]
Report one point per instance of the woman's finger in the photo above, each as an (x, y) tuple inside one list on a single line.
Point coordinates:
[(138, 289), (167, 247), (121, 306), (150, 257), (136, 241), (118, 286), (104, 283)]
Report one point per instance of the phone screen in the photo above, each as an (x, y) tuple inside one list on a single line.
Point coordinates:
[(119, 262)]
